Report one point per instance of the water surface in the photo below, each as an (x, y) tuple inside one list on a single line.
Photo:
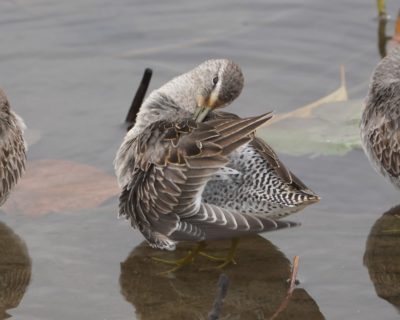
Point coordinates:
[(70, 69)]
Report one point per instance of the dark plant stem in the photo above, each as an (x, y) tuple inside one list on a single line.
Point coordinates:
[(138, 99)]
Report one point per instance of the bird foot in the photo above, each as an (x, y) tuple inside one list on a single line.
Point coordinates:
[(174, 262), (179, 263), (229, 259)]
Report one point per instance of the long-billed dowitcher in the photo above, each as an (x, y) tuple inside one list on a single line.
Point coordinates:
[(12, 148), (189, 173), (380, 123)]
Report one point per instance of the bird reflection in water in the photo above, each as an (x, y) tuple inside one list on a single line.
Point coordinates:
[(15, 270), (258, 285), (382, 256)]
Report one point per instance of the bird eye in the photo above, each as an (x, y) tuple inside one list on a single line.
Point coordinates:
[(215, 80)]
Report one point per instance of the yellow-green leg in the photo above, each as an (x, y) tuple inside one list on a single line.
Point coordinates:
[(228, 259), (179, 263)]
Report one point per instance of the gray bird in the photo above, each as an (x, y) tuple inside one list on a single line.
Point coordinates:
[(380, 122), (12, 148), (190, 173)]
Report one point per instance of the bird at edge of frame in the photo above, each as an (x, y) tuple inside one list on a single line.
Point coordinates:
[(380, 133), (190, 172), (12, 148)]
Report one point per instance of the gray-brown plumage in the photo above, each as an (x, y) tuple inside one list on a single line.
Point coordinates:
[(190, 173), (12, 148), (380, 123)]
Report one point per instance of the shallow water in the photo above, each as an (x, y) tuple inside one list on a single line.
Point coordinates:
[(70, 69)]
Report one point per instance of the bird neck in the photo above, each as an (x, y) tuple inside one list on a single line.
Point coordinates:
[(176, 99), (182, 90)]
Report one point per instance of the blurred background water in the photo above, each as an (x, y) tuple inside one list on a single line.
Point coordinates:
[(70, 69)]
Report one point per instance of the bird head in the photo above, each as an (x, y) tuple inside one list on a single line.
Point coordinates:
[(213, 84), (220, 81)]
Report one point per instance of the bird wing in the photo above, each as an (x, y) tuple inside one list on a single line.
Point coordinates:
[(384, 138), (287, 176), (12, 162), (271, 157), (173, 163)]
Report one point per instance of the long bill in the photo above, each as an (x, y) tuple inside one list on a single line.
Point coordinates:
[(200, 113)]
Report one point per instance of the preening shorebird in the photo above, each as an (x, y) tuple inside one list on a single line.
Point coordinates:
[(191, 173), (380, 122)]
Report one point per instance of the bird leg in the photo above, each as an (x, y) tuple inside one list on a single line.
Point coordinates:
[(179, 263), (228, 259)]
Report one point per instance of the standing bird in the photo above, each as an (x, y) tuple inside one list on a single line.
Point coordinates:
[(12, 148), (380, 122), (190, 173)]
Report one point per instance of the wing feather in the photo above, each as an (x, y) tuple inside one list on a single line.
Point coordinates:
[(173, 164), (13, 157), (385, 145), (271, 157)]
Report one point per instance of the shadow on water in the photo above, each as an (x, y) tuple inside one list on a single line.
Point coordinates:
[(15, 270), (382, 256), (258, 284)]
